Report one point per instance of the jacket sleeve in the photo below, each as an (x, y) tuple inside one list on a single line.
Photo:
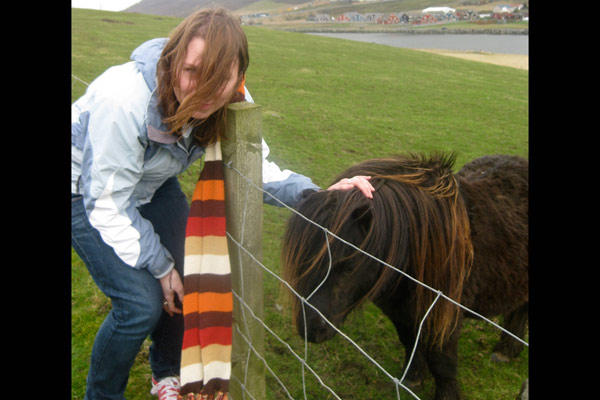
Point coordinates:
[(286, 185), (113, 159)]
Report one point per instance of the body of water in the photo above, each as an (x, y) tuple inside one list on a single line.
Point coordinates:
[(502, 44)]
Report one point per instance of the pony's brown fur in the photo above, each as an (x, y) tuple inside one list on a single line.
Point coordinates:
[(464, 234), (439, 253)]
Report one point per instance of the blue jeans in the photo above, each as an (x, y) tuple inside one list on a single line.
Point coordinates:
[(136, 296)]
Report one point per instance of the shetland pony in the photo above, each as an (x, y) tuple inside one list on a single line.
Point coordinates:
[(465, 234)]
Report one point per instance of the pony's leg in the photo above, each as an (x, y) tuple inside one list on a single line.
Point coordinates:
[(417, 368), (515, 322), (443, 366)]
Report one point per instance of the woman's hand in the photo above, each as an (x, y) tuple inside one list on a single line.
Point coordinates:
[(171, 285), (360, 182)]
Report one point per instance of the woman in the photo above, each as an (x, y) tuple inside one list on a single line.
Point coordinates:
[(137, 127)]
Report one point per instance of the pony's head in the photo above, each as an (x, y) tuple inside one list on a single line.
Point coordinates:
[(321, 268), (416, 222)]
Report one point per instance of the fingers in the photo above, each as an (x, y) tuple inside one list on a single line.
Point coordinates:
[(166, 307), (171, 287), (360, 182), (363, 184), (172, 308), (177, 285)]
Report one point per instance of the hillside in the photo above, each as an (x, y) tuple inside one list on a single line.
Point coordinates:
[(182, 8)]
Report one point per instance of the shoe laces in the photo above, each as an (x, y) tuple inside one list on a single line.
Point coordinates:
[(166, 389)]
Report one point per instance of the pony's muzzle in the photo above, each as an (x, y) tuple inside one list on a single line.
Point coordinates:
[(317, 329)]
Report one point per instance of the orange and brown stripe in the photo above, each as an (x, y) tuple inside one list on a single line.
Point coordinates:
[(208, 301)]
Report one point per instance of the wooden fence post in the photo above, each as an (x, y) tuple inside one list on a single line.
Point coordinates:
[(243, 207)]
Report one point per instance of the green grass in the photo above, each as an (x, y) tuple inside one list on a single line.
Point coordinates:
[(328, 104)]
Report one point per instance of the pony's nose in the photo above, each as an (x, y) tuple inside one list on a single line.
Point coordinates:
[(318, 331)]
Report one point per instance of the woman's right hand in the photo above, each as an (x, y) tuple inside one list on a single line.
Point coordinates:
[(172, 286), (360, 182)]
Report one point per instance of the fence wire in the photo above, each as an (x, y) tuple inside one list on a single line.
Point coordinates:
[(247, 310), (304, 302)]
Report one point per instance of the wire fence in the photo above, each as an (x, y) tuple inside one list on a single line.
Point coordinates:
[(398, 382), (248, 312)]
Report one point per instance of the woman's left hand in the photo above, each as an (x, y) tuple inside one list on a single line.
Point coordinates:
[(360, 182)]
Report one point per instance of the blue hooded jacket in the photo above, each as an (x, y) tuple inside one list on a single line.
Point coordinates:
[(119, 158)]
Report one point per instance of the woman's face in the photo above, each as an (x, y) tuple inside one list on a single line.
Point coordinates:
[(187, 85)]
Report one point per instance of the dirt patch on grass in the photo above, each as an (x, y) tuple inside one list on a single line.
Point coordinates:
[(520, 61)]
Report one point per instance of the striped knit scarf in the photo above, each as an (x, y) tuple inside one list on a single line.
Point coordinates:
[(208, 301)]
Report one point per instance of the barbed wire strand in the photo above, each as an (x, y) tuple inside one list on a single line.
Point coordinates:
[(80, 80)]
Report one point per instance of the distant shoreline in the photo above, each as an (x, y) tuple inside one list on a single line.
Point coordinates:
[(519, 61)]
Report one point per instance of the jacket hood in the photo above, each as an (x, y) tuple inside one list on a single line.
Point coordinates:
[(146, 57)]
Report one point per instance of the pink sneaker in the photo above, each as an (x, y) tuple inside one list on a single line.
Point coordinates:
[(166, 389)]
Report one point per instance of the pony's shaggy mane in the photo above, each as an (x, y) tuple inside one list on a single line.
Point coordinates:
[(416, 221)]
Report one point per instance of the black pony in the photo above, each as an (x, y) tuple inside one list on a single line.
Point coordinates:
[(465, 234)]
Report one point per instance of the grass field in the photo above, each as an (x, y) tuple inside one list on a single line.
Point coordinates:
[(327, 104)]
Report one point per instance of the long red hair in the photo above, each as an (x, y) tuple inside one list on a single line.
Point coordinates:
[(226, 45)]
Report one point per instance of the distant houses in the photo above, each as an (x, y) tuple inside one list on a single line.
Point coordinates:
[(319, 18), (438, 10), (378, 18), (350, 17), (429, 15), (507, 8)]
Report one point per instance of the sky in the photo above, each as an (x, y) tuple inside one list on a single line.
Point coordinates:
[(106, 5)]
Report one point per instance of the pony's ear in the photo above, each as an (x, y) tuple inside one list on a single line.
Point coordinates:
[(362, 218)]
